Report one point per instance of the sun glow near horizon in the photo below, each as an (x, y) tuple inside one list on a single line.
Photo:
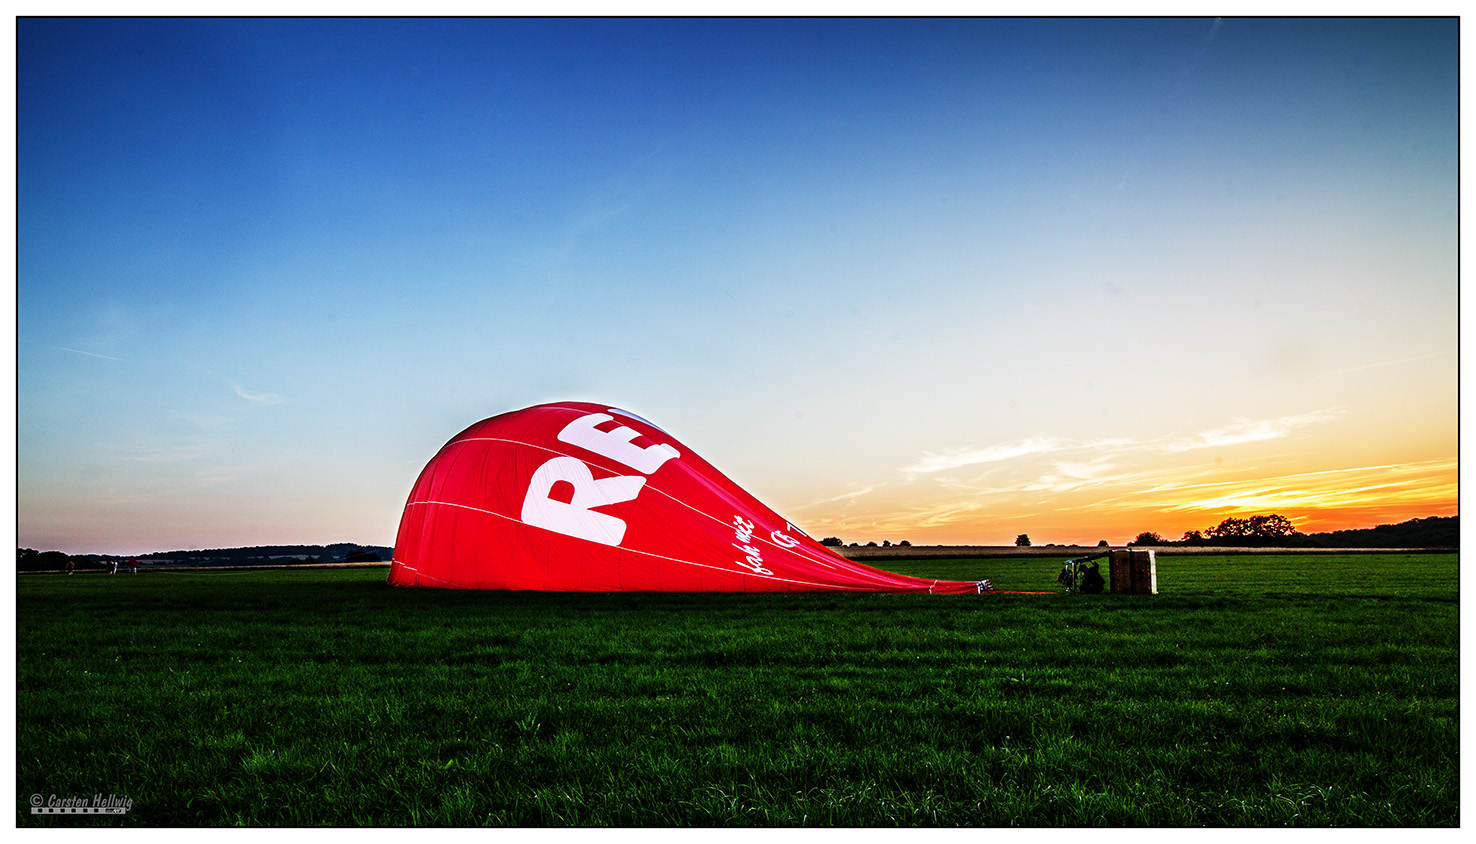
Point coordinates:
[(1079, 492)]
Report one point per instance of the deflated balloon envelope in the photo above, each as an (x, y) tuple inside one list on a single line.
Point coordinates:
[(574, 496)]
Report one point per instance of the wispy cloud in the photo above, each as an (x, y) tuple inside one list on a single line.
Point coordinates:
[(1355, 486), (1045, 476), (89, 354), (1249, 431), (1162, 482), (258, 398), (1070, 475), (855, 493), (1383, 363), (1102, 451), (172, 452), (263, 398), (992, 454)]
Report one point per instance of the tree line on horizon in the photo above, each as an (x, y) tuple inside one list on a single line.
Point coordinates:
[(29, 559), (1272, 530), (1261, 530), (1276, 530)]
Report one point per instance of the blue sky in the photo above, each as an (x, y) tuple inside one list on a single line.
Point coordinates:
[(946, 281)]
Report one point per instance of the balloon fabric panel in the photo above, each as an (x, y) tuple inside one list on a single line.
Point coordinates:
[(575, 496)]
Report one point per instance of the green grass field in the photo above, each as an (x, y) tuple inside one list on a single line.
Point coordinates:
[(1263, 690)]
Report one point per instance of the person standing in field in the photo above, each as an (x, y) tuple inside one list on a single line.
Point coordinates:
[(69, 567), (133, 566), (112, 567), (1092, 581)]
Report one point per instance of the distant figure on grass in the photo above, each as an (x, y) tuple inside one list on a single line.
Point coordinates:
[(69, 567), (112, 567), (1091, 581), (133, 566)]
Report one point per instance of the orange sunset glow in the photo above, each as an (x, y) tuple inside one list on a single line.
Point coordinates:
[(1072, 492)]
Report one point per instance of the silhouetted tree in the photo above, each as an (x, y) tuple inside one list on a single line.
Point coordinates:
[(1271, 526), (832, 541), (1022, 541), (28, 559), (1263, 527), (1229, 529)]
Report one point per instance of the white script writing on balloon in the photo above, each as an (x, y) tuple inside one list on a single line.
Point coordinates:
[(754, 559)]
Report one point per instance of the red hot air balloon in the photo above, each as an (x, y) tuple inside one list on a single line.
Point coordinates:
[(586, 498)]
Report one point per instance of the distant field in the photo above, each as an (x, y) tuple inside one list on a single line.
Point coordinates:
[(1256, 690)]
